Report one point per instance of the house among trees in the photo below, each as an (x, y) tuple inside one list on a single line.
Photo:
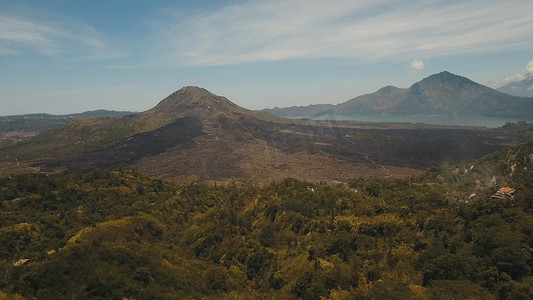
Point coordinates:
[(504, 192)]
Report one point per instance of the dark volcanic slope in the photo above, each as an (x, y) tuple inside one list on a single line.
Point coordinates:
[(124, 153), (193, 134)]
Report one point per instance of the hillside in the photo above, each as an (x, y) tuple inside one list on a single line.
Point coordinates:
[(14, 129), (39, 122), (120, 234), (439, 94), (195, 135)]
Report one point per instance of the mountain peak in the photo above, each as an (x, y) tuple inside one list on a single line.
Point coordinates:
[(446, 77), (198, 103), (192, 95), (191, 101), (193, 90), (445, 84)]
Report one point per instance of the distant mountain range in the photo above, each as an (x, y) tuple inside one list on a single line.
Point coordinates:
[(522, 88), (439, 94), (14, 129), (38, 122), (195, 135)]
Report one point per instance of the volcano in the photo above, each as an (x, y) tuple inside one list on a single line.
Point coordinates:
[(195, 135)]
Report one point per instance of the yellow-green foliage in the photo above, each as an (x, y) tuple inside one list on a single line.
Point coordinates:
[(121, 234), (4, 296), (74, 137)]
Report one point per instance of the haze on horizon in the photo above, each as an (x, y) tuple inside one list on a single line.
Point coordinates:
[(62, 56)]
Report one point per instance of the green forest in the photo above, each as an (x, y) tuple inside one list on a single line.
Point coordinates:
[(120, 234)]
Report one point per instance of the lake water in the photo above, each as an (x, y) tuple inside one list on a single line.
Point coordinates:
[(481, 121)]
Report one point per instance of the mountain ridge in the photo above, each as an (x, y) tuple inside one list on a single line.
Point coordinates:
[(191, 100), (85, 114), (197, 102), (443, 93)]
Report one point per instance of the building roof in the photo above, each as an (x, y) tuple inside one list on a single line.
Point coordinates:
[(21, 262), (506, 190)]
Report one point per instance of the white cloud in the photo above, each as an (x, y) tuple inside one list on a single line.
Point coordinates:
[(417, 65), (497, 83), (503, 81), (368, 29), (529, 67), (19, 35)]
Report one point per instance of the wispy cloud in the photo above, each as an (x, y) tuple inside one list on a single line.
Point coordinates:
[(368, 29), (503, 81), (514, 78), (19, 35)]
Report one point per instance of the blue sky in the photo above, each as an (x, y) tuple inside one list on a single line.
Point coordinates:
[(72, 56)]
